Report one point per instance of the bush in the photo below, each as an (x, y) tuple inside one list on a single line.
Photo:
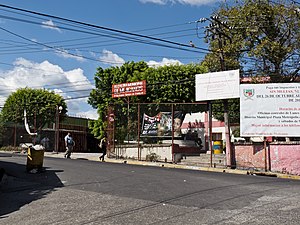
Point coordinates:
[(153, 157), (11, 148)]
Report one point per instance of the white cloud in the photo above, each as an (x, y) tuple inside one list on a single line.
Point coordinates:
[(50, 25), (65, 54), (197, 2), (110, 58), (160, 2), (69, 84), (164, 62), (91, 114), (184, 2)]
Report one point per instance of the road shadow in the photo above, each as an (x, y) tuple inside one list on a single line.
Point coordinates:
[(19, 187)]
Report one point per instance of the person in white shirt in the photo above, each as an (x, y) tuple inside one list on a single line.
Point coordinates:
[(69, 143)]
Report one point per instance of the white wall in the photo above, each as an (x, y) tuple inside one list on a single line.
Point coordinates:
[(163, 151)]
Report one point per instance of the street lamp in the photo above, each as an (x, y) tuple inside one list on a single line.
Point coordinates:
[(57, 113)]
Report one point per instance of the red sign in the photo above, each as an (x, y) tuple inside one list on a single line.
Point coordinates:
[(129, 89)]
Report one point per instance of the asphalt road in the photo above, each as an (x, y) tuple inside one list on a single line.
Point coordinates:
[(90, 192)]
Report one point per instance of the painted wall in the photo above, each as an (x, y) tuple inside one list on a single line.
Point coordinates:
[(249, 156), (163, 152), (281, 157), (285, 159)]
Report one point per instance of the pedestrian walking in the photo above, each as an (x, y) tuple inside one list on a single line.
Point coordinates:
[(69, 143), (103, 147), (45, 143)]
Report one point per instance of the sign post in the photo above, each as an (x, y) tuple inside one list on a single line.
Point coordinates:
[(220, 85), (127, 90)]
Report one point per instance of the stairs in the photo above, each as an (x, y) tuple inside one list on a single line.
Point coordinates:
[(218, 160)]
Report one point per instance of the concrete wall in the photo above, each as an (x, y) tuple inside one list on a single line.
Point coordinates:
[(162, 151), (281, 157), (249, 156), (285, 159)]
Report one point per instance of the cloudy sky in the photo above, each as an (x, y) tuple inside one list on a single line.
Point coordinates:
[(59, 45)]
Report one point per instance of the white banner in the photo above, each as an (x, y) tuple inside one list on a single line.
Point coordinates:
[(219, 85), (270, 109)]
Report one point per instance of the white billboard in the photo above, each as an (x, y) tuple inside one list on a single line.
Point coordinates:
[(270, 109), (219, 85)]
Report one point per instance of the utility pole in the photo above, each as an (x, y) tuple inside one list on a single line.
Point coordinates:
[(216, 30), (225, 103)]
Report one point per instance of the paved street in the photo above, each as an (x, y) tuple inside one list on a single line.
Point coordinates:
[(81, 191)]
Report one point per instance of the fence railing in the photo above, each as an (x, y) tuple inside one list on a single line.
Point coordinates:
[(141, 125)]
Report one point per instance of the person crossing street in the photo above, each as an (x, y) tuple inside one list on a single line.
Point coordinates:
[(69, 143)]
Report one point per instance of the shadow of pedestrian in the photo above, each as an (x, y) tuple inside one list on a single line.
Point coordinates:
[(19, 188)]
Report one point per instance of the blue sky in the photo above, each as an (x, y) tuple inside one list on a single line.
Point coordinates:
[(46, 52)]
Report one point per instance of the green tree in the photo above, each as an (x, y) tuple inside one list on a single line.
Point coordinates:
[(40, 107), (101, 97), (234, 110), (174, 83), (167, 84), (259, 37), (265, 37), (2, 129)]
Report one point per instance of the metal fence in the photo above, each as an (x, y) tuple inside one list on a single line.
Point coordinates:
[(141, 130)]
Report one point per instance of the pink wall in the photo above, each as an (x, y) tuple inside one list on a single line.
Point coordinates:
[(283, 158), (249, 156)]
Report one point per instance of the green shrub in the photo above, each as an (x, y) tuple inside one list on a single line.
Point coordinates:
[(11, 148)]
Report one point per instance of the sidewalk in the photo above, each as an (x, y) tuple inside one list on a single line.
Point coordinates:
[(181, 165), (189, 165)]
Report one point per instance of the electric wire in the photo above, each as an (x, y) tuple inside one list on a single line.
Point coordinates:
[(107, 35), (80, 26), (102, 27)]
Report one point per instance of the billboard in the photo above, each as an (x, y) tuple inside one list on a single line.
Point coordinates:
[(270, 109), (161, 124), (129, 89), (219, 85)]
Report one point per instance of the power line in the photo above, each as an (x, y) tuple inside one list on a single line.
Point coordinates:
[(186, 47), (37, 50), (147, 29), (85, 28), (108, 35), (85, 57), (57, 49), (171, 82), (104, 28)]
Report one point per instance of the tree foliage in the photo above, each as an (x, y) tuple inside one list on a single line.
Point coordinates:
[(259, 37), (234, 110), (264, 37), (167, 84), (40, 106)]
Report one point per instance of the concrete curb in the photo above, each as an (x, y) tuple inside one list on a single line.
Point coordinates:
[(287, 176), (95, 157), (207, 169)]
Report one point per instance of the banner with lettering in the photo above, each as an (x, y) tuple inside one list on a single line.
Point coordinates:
[(270, 109)]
